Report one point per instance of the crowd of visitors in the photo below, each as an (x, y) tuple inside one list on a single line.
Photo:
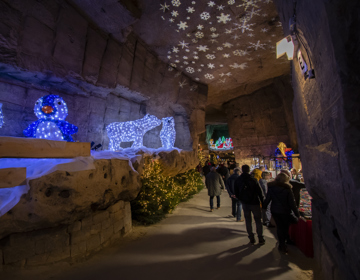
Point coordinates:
[(258, 196)]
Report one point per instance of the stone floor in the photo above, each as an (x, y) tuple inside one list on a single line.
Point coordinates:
[(192, 243)]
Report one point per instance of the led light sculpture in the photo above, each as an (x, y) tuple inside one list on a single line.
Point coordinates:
[(130, 131), (221, 144), (1, 116), (51, 111), (168, 133)]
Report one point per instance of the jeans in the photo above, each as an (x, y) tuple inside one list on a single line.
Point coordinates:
[(212, 201), (282, 228), (236, 208), (266, 214), (256, 211)]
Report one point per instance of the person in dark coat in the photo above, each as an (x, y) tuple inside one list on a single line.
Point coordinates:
[(214, 183), (224, 172), (282, 203), (252, 205), (296, 186), (266, 213), (236, 204), (206, 168)]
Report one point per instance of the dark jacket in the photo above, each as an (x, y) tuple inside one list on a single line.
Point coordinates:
[(230, 183), (296, 187), (206, 169), (224, 172), (214, 183), (281, 197), (245, 179)]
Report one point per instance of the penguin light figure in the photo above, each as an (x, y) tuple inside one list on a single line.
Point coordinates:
[(51, 111)]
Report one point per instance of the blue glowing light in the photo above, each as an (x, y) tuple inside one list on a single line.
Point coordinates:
[(1, 116), (51, 111), (168, 133), (130, 131)]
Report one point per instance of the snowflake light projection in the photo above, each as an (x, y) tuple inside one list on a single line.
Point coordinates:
[(209, 76), (190, 10), (130, 131), (248, 3), (183, 44), (51, 111), (1, 116), (199, 34), (223, 18), (174, 13), (244, 26), (202, 48), (257, 45), (164, 7), (205, 16), (183, 25), (211, 66), (241, 66), (168, 133), (176, 3), (210, 56), (240, 52), (190, 70)]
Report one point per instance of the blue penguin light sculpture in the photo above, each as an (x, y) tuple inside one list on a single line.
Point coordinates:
[(51, 111)]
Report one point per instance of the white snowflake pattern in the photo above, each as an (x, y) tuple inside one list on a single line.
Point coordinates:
[(211, 66), (264, 30), (224, 18), (196, 57), (193, 2), (220, 48), (202, 48), (176, 3), (170, 68), (177, 61), (185, 57), (210, 56), (240, 52), (209, 76), (212, 29), (221, 74), (171, 20), (235, 37), (226, 55), (244, 26), (164, 7), (228, 31), (175, 49), (250, 59), (188, 35), (253, 12), (188, 18), (251, 35), (221, 81), (187, 50), (211, 4), (257, 45), (227, 45), (214, 35), (202, 65), (174, 13), (183, 25), (190, 70), (197, 79), (200, 27), (248, 3), (177, 74), (169, 56), (279, 24), (183, 44), (242, 66), (182, 84), (173, 65), (195, 52), (205, 15), (199, 70), (194, 41), (213, 41), (231, 2), (186, 63), (190, 10), (228, 74), (220, 8), (193, 62), (199, 34), (193, 88)]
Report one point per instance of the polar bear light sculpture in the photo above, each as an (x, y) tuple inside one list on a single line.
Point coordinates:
[(130, 131), (168, 133)]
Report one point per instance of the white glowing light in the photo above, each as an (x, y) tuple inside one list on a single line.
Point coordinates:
[(164, 7), (223, 18), (205, 15), (183, 25), (285, 46), (130, 131), (168, 133)]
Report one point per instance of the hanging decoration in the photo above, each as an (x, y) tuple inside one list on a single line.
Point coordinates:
[(221, 144), (283, 153), (168, 133), (130, 131), (51, 111)]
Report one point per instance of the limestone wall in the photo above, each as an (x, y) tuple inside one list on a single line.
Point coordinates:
[(259, 121), (327, 123), (52, 48)]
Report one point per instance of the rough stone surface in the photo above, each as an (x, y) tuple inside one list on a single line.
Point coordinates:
[(174, 162), (327, 122)]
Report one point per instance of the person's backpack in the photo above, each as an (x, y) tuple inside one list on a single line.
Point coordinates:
[(246, 194)]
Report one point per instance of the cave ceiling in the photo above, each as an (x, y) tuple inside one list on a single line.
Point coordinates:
[(227, 44)]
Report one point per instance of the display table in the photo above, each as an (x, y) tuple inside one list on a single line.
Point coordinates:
[(301, 234)]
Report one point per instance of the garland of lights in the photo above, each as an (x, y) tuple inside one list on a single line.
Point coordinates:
[(1, 116), (130, 131), (168, 133), (51, 111)]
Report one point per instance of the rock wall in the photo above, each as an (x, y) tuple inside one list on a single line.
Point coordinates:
[(327, 121), (52, 48), (259, 121)]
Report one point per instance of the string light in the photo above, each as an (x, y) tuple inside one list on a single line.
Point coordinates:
[(130, 131), (168, 133), (51, 111), (1, 116)]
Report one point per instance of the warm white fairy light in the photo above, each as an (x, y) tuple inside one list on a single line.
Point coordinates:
[(168, 133)]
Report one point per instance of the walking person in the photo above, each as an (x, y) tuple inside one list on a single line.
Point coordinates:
[(214, 183), (248, 191), (235, 203), (266, 213), (282, 203)]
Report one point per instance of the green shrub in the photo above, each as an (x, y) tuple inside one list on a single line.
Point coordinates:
[(160, 194)]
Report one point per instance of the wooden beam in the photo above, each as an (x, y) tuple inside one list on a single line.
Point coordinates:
[(16, 147), (12, 177)]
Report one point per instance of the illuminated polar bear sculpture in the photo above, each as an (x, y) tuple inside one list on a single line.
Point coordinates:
[(168, 133), (130, 131)]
